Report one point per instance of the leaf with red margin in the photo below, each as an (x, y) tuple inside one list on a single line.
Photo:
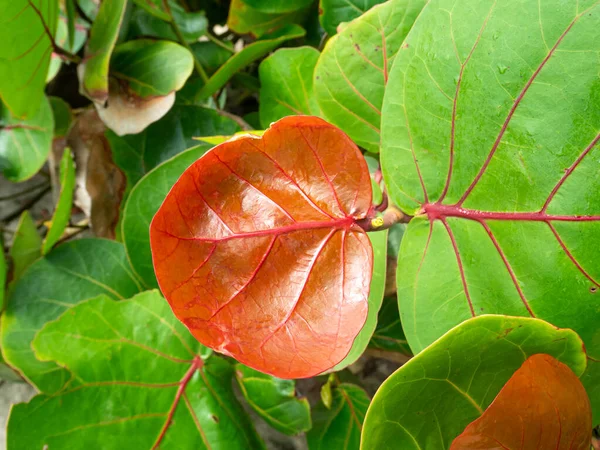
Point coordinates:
[(489, 136), (543, 405), (258, 250)]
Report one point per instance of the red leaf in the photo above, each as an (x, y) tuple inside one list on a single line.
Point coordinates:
[(543, 406), (257, 249)]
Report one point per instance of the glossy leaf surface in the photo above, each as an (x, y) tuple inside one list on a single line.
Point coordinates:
[(72, 272), (25, 144), (103, 36), (339, 426), (192, 25), (142, 204), (277, 6), (244, 19), (25, 52), (26, 246), (288, 202), (505, 182), (543, 405), (352, 72), (286, 84), (432, 398), (61, 38), (62, 213), (274, 400), (146, 378), (334, 12)]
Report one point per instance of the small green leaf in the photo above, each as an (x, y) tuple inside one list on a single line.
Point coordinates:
[(244, 19), (144, 200), (352, 72), (25, 144), (451, 382), (62, 213), (277, 6), (274, 400), (339, 427), (286, 80), (103, 37), (26, 247), (25, 53), (150, 382), (334, 12), (61, 38), (326, 393), (71, 17), (192, 25), (249, 54), (388, 335), (72, 272), (62, 114)]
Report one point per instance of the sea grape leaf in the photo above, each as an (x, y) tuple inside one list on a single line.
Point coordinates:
[(150, 383), (452, 382), (244, 19), (211, 55), (246, 56), (277, 6), (543, 405), (286, 84), (494, 149), (61, 39), (3, 276), (70, 273), (192, 25), (25, 144), (63, 116), (103, 37), (62, 213), (26, 30), (274, 400), (334, 12), (389, 335), (352, 72), (144, 77), (216, 140), (26, 247), (143, 202), (339, 426), (289, 202)]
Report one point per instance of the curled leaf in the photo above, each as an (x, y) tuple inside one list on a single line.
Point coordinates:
[(543, 405), (258, 251)]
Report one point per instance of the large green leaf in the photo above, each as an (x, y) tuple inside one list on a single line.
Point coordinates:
[(274, 400), (334, 12), (352, 72), (432, 398), (244, 19), (25, 52), (62, 213), (137, 154), (144, 200), (492, 143), (192, 25), (26, 246), (70, 273), (286, 84), (143, 382), (249, 54), (103, 37), (25, 144), (339, 426)]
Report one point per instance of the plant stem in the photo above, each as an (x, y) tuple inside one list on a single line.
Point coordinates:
[(23, 192), (218, 42), (391, 216)]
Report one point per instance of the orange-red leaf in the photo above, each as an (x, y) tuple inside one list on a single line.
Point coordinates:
[(258, 252), (543, 406)]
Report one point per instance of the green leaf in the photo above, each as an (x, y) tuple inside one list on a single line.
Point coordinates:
[(154, 7), (71, 17), (389, 335), (277, 6), (244, 19), (137, 154), (26, 247), (61, 38), (210, 55), (3, 276), (496, 154), (192, 25), (149, 381), (274, 400), (72, 272), (286, 80), (25, 53), (334, 12), (144, 200), (62, 213), (352, 72), (63, 117), (339, 428), (432, 398), (25, 144), (248, 55), (103, 37)]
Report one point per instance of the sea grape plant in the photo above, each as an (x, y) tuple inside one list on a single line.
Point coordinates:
[(408, 179)]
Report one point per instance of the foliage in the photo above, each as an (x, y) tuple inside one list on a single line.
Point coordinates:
[(275, 190)]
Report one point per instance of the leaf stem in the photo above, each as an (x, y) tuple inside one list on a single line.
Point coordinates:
[(391, 216), (218, 42)]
